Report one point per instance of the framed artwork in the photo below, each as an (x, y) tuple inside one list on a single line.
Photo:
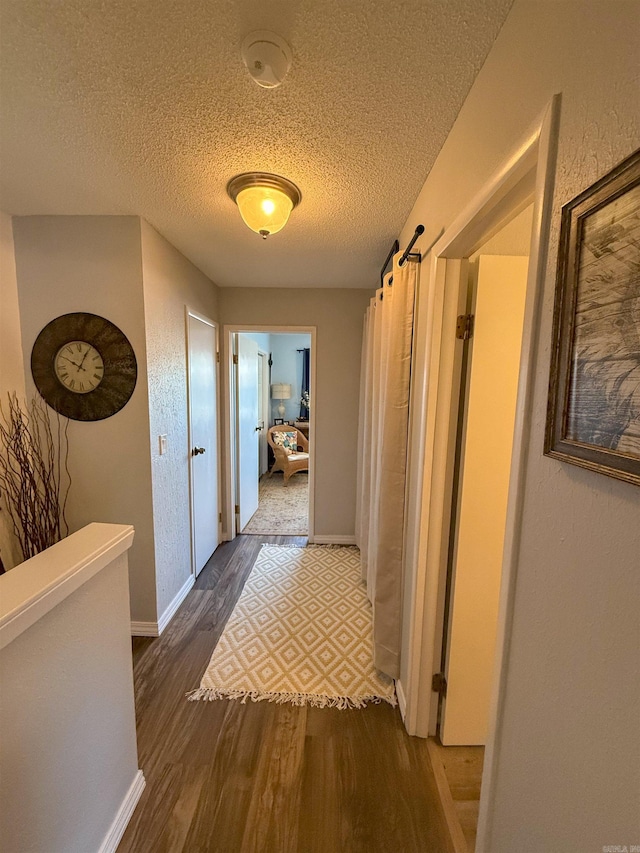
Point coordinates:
[(278, 421), (593, 415)]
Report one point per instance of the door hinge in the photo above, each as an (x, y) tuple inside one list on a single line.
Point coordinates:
[(439, 683), (464, 327), (218, 357), (237, 508), (235, 359), (220, 517)]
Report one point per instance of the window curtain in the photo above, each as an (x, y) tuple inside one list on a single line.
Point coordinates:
[(382, 456), (304, 411)]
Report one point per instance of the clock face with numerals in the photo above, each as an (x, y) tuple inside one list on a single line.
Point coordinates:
[(84, 366), (79, 366)]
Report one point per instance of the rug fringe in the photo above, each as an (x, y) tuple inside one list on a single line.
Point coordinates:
[(315, 700), (310, 546)]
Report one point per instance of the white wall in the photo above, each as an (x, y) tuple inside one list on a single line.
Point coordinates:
[(68, 747), (287, 368), (171, 282), (93, 263), (11, 361), (338, 316), (568, 768)]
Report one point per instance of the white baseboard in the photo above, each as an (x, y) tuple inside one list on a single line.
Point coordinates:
[(321, 539), (180, 596), (122, 818), (154, 629), (402, 699), (144, 629)]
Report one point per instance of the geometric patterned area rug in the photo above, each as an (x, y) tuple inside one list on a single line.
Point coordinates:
[(301, 632), (282, 510)]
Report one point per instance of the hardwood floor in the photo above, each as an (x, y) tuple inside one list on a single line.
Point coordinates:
[(264, 778), (458, 771)]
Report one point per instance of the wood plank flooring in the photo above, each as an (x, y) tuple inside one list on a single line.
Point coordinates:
[(458, 771), (264, 778)]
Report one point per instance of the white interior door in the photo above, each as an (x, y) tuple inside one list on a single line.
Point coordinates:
[(203, 438), (482, 505), (248, 428), (263, 410)]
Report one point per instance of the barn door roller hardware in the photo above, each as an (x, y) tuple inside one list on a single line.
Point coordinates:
[(408, 254), (395, 248)]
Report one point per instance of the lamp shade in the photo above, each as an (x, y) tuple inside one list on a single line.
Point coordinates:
[(265, 201), (280, 391)]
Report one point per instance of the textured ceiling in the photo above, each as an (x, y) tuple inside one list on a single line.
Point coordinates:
[(144, 107)]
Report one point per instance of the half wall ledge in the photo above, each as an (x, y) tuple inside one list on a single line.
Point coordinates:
[(33, 588)]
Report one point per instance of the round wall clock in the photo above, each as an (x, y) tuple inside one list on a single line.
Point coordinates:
[(84, 367)]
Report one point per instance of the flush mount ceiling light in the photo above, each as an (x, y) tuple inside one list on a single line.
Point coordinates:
[(265, 201)]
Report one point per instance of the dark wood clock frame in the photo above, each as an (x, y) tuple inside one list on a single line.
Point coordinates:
[(120, 366)]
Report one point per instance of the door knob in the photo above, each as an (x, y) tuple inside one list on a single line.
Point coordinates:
[(258, 429), (197, 450)]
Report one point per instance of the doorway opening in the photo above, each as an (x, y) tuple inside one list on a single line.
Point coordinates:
[(488, 386), (489, 356), (270, 432), (434, 447)]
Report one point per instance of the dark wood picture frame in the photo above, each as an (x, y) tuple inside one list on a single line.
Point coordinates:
[(593, 417), (278, 422)]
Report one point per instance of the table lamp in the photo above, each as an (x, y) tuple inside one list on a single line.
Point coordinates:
[(281, 391)]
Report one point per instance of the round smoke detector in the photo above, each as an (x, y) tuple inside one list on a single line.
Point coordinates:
[(267, 57)]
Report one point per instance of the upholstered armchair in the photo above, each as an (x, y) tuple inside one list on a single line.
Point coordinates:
[(285, 444)]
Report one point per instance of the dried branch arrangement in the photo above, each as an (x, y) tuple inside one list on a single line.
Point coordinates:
[(34, 473)]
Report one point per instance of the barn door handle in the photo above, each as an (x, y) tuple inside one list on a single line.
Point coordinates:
[(197, 451)]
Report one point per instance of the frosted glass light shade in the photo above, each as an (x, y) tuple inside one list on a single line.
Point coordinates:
[(264, 209), (265, 201)]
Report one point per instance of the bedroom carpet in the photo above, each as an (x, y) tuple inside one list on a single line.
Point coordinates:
[(283, 510)]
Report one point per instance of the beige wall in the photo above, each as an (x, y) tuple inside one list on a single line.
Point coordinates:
[(11, 362), (513, 239), (338, 316), (122, 269), (568, 773), (170, 283), (93, 264)]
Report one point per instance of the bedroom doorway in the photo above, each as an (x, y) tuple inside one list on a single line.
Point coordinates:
[(270, 394)]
